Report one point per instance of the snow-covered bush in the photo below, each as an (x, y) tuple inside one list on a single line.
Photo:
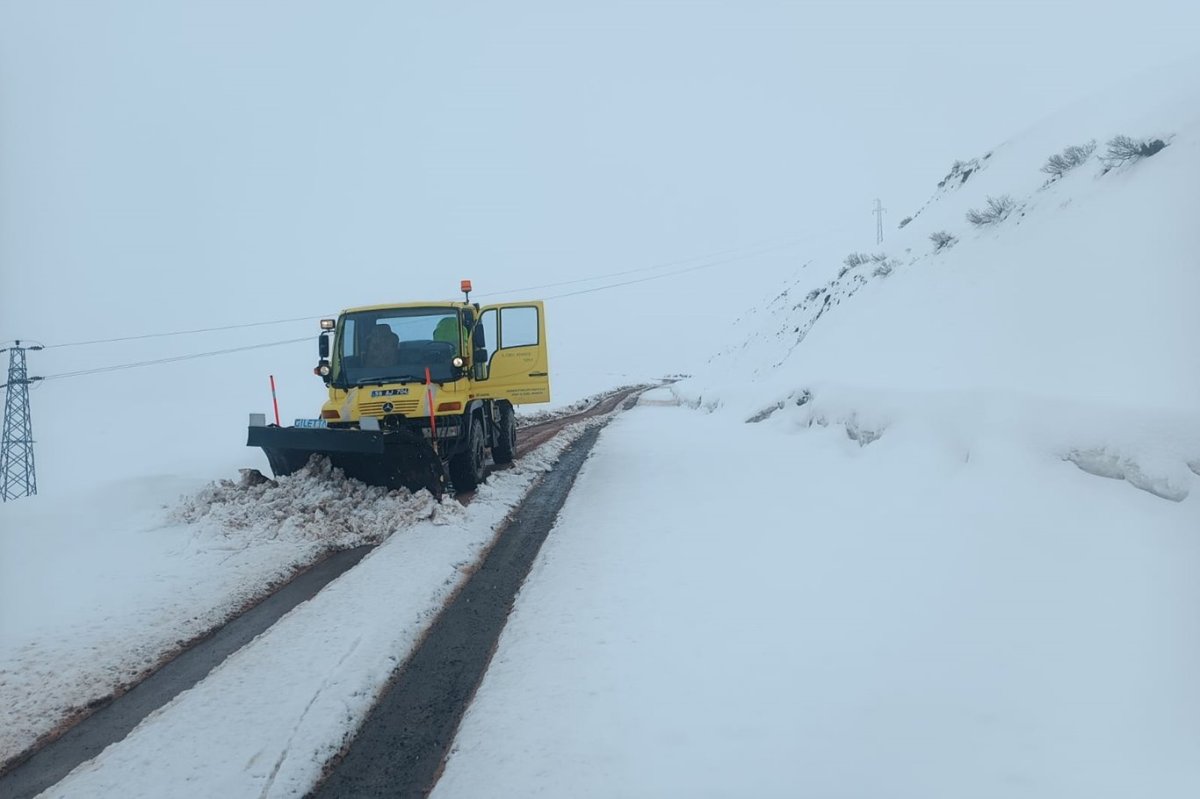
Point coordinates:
[(997, 210), (959, 172), (941, 240), (854, 259), (1124, 149), (1060, 164)]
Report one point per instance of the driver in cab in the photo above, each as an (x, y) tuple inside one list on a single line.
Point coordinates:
[(383, 348)]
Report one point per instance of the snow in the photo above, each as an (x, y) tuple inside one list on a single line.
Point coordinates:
[(830, 619), (934, 535), (153, 571), (265, 721), (868, 553), (1076, 314)]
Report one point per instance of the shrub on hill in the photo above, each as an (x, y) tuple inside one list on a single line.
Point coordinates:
[(941, 240), (997, 210), (856, 259), (1060, 164), (1125, 149), (958, 174)]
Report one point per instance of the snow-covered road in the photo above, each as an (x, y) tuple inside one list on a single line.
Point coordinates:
[(724, 610), (265, 721), (751, 609)]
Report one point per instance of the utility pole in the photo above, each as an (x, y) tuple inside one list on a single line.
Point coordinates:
[(17, 476), (879, 209)]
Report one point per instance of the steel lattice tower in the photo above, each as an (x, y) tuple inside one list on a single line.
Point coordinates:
[(17, 477)]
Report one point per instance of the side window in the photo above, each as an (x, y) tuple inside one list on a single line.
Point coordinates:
[(485, 341), (348, 337), (519, 326)]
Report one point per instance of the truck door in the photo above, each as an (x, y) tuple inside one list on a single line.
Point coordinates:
[(516, 365)]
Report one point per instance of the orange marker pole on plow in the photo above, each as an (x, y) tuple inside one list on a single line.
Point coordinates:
[(432, 417), (275, 402)]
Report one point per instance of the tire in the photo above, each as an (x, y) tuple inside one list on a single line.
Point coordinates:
[(466, 468), (505, 449)]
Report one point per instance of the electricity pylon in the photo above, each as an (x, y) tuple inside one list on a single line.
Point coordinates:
[(17, 475)]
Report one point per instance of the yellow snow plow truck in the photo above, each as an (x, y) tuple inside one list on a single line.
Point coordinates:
[(418, 393)]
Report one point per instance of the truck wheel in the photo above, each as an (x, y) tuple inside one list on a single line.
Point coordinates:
[(506, 446), (466, 468)]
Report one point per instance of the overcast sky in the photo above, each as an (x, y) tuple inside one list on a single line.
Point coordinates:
[(227, 162)]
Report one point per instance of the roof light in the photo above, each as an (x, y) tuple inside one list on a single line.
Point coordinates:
[(328, 324)]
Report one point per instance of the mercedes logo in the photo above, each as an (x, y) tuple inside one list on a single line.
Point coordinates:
[(387, 407)]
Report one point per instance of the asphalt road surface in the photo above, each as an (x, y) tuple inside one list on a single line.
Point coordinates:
[(400, 749)]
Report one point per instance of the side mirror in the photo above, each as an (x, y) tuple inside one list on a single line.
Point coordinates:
[(479, 364), (323, 346)]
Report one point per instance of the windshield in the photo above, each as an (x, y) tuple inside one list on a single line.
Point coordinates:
[(397, 345)]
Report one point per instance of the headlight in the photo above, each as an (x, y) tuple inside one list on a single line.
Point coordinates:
[(458, 362)]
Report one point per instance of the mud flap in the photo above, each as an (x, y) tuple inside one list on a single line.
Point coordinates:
[(392, 460)]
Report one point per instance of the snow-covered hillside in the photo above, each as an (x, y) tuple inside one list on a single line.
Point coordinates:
[(1073, 322)]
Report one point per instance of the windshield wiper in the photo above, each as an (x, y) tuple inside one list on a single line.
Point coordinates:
[(384, 380)]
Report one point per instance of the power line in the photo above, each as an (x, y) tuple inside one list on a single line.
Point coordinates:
[(184, 332), (173, 359), (177, 358), (751, 252), (696, 268), (742, 254)]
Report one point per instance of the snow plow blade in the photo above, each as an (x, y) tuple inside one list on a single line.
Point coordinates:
[(392, 459)]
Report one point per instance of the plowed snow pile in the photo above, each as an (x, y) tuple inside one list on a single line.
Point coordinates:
[(317, 504)]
